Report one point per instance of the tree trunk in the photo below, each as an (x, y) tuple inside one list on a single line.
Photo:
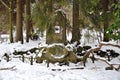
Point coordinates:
[(106, 24), (11, 21), (19, 24), (75, 30), (28, 22)]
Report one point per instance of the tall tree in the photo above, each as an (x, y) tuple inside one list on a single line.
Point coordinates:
[(10, 8), (99, 12), (19, 24), (11, 20), (28, 22), (114, 29), (75, 29), (106, 22)]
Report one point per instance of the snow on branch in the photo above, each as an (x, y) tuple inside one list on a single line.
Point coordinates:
[(98, 48), (111, 65), (109, 44)]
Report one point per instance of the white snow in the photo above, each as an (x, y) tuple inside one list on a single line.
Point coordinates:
[(60, 44), (25, 71), (58, 57)]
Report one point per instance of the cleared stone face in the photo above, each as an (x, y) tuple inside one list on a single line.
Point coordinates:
[(57, 53)]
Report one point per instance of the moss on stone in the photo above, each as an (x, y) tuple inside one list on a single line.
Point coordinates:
[(57, 53)]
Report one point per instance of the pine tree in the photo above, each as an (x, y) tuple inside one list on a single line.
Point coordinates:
[(28, 22), (106, 23), (11, 20), (75, 30), (19, 23)]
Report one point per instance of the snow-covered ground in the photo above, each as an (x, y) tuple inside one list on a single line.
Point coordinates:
[(24, 71), (17, 70)]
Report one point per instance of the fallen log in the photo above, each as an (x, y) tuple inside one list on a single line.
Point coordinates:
[(111, 65), (90, 51), (67, 69), (8, 68)]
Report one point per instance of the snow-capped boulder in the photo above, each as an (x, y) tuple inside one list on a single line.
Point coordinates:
[(57, 53)]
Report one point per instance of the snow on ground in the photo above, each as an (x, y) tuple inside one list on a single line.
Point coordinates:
[(25, 71)]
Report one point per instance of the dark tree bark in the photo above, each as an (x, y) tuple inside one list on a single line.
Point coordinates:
[(19, 24), (11, 20), (28, 22), (75, 29), (106, 23)]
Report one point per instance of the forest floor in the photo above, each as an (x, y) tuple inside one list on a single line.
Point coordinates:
[(15, 69)]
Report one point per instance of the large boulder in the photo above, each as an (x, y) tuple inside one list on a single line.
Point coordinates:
[(72, 57), (57, 53)]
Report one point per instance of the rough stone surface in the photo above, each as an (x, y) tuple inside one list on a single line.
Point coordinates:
[(57, 53)]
